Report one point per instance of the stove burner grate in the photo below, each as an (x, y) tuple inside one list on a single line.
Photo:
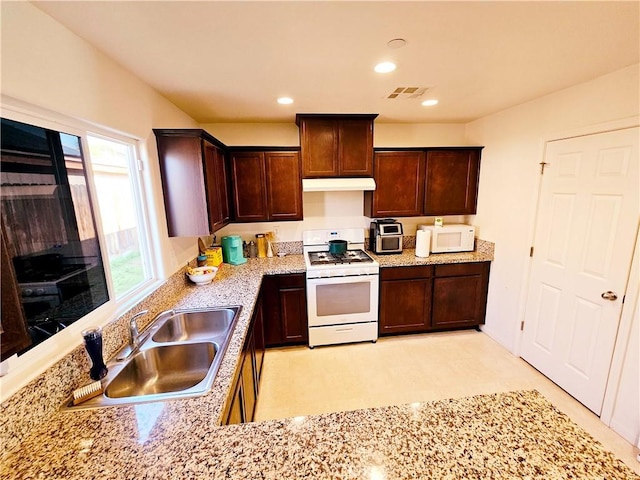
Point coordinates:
[(350, 256)]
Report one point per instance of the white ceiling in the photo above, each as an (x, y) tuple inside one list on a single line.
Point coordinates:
[(229, 61)]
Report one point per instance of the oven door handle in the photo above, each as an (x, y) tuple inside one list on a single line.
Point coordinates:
[(343, 279)]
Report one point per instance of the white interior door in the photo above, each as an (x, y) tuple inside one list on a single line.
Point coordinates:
[(585, 234)]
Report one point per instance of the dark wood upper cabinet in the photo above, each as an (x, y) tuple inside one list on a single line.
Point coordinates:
[(399, 184), (217, 188), (452, 181), (355, 148), (284, 185), (336, 145), (194, 181), (416, 182), (266, 184), (248, 178)]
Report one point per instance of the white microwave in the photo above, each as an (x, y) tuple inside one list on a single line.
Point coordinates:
[(451, 238)]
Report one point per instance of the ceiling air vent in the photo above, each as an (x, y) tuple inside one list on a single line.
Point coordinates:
[(408, 92)]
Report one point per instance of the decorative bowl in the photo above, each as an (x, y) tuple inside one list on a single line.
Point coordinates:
[(202, 275)]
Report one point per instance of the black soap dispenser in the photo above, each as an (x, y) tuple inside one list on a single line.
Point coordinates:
[(93, 344)]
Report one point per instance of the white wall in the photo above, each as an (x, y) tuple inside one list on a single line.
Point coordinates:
[(385, 134), (51, 74), (48, 66), (509, 178)]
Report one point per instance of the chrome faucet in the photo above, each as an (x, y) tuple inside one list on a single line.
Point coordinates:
[(134, 331), (137, 337)]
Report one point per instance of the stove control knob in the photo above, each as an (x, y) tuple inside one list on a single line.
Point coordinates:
[(27, 292), (39, 291)]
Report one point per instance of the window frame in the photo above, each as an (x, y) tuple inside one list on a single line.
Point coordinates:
[(17, 372), (142, 212)]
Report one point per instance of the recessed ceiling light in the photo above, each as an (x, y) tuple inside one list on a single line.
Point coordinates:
[(385, 67), (430, 103), (285, 101)]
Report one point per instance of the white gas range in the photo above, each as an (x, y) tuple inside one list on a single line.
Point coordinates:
[(342, 289)]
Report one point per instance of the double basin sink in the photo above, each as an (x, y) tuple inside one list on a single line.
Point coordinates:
[(178, 357)]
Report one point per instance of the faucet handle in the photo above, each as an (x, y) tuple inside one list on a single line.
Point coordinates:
[(139, 314)]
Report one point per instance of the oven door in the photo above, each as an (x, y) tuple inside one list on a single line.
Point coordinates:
[(342, 300)]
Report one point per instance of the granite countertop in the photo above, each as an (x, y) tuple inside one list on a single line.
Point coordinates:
[(184, 439), (505, 435), (483, 253)]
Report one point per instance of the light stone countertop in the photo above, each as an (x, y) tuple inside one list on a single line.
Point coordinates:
[(483, 252), (475, 437)]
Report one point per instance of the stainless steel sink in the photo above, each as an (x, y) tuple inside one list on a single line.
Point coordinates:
[(196, 325), (179, 357), (164, 369)]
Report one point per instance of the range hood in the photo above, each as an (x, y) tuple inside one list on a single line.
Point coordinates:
[(337, 184)]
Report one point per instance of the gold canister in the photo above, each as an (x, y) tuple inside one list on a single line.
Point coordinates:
[(214, 256), (261, 241)]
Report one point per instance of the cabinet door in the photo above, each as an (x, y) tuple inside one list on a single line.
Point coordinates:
[(319, 147), (399, 192), (249, 187), (213, 185), (258, 335), (293, 312), (235, 414), (271, 311), (452, 181), (183, 185), (222, 184), (284, 185), (355, 148), (405, 299), (459, 295), (285, 310), (248, 380)]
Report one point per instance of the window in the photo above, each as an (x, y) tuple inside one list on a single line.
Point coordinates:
[(69, 201), (117, 187)]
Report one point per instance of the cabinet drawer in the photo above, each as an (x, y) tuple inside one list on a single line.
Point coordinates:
[(332, 334), (291, 280), (458, 269), (406, 273)]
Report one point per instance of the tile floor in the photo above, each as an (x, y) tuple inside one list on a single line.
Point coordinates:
[(409, 368)]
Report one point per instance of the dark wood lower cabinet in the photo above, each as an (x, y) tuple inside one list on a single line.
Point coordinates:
[(241, 404), (428, 298), (285, 310), (235, 412), (460, 295), (405, 299), (258, 341), (249, 379)]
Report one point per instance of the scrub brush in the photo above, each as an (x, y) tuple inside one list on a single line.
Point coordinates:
[(83, 394)]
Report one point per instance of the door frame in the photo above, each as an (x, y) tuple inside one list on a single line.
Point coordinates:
[(632, 292), (615, 371)]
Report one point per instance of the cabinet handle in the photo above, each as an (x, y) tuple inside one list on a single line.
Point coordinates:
[(609, 295)]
